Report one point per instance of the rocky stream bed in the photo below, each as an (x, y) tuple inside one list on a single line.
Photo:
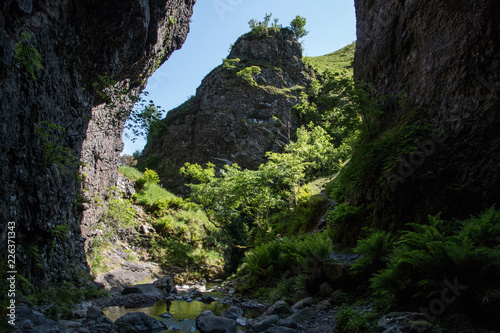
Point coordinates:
[(207, 308)]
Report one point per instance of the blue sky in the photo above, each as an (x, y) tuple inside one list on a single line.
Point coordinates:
[(216, 24)]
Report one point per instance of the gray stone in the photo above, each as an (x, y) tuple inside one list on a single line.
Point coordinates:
[(280, 308), (404, 322), (287, 323), (242, 321), (308, 301), (265, 323), (166, 315), (209, 323), (145, 289), (302, 316), (335, 272), (233, 312), (324, 305), (300, 295), (164, 283), (141, 322), (281, 329), (326, 289), (207, 299)]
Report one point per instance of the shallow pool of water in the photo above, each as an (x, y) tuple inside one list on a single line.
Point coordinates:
[(183, 313)]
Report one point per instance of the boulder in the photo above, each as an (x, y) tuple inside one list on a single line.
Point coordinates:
[(145, 289), (335, 272), (164, 283), (326, 289), (300, 295), (287, 323), (233, 312), (207, 322), (141, 322), (308, 301), (280, 308), (323, 306), (265, 323), (302, 316), (396, 322), (281, 329)]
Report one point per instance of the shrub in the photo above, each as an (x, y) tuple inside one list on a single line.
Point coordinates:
[(27, 55), (351, 320), (346, 223), (438, 251), (375, 250), (269, 259), (297, 27), (260, 29), (247, 74)]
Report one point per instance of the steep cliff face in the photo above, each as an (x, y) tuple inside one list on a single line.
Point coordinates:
[(62, 125), (444, 58), (230, 120)]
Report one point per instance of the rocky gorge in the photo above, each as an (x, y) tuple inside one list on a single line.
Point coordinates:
[(71, 72)]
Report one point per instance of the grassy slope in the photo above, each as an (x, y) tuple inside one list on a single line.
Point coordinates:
[(338, 61)]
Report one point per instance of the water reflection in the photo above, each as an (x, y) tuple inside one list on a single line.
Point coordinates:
[(183, 313)]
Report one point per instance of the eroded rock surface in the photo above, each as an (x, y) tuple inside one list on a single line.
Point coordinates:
[(443, 58), (230, 120), (54, 117)]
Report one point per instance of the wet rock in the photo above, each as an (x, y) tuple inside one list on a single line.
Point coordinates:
[(335, 272), (339, 297), (308, 301), (265, 323), (145, 289), (290, 323), (281, 329), (326, 289), (166, 315), (30, 320), (399, 322), (95, 313), (141, 322), (303, 315), (207, 322), (323, 306), (164, 284), (242, 321), (233, 312), (280, 308), (300, 295), (207, 299)]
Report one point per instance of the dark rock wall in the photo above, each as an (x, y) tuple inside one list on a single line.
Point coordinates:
[(445, 57), (48, 174), (229, 120)]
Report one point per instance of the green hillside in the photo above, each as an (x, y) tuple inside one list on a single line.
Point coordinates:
[(337, 61)]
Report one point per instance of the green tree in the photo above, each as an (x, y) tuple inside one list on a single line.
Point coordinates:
[(297, 26), (144, 120)]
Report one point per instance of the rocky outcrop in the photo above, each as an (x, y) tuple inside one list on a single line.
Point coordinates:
[(230, 120), (444, 58), (62, 124)]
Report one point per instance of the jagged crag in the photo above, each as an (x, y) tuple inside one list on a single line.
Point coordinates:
[(62, 126), (230, 119)]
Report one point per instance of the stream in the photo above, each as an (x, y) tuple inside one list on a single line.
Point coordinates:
[(183, 313)]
